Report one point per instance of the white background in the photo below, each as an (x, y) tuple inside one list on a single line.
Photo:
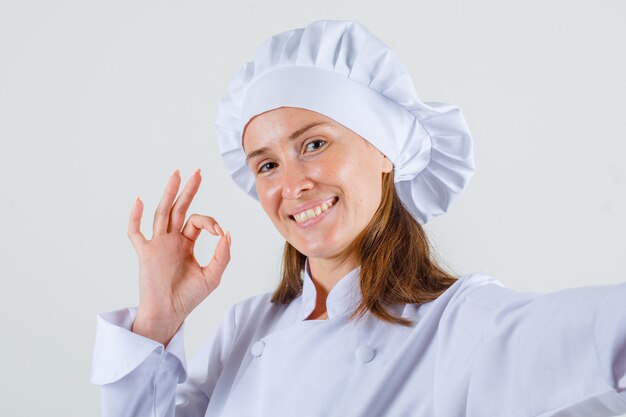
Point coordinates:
[(101, 101)]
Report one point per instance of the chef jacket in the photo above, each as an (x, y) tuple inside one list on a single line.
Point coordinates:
[(479, 349)]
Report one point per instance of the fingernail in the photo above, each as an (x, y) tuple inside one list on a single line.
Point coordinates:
[(218, 229), (177, 172), (137, 199), (198, 170)]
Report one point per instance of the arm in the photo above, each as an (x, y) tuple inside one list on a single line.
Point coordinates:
[(139, 376), (131, 362), (560, 352)]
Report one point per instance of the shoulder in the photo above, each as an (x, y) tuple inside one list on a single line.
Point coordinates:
[(472, 300), (257, 312), (484, 290), (254, 302)]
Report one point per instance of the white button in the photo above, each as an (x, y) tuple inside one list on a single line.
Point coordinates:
[(365, 353), (257, 348)]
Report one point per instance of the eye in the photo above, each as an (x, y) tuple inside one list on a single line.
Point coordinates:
[(315, 145), (266, 166)]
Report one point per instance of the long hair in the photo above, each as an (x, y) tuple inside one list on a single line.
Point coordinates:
[(397, 264)]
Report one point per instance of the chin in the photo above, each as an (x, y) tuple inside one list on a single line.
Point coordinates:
[(321, 250)]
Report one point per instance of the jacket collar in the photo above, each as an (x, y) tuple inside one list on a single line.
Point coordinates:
[(343, 298)]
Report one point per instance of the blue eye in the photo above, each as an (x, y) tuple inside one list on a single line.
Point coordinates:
[(266, 166), (315, 144)]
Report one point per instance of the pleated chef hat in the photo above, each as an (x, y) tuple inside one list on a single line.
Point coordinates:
[(343, 71)]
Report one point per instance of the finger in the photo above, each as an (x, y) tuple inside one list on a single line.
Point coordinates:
[(196, 223), (221, 257), (137, 239), (162, 213), (179, 210)]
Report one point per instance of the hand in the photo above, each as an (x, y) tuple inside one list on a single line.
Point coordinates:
[(171, 282)]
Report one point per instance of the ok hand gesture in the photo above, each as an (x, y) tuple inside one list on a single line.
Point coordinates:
[(171, 282)]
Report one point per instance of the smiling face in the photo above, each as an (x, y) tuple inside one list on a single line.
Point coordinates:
[(318, 181)]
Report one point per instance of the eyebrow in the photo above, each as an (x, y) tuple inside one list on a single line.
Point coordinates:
[(293, 136)]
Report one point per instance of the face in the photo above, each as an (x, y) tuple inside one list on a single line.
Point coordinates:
[(318, 181)]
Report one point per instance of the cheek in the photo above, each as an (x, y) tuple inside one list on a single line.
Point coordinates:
[(365, 187), (268, 198)]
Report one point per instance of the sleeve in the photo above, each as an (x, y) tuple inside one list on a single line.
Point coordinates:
[(139, 376), (562, 353)]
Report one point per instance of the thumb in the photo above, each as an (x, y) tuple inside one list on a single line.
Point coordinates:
[(221, 257)]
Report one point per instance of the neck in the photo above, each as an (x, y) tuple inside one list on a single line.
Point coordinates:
[(326, 272)]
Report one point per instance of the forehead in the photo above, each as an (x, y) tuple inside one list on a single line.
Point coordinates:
[(281, 123)]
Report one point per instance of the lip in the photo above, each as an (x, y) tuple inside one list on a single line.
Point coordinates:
[(310, 205), (315, 219)]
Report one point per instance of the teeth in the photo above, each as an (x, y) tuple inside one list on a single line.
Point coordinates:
[(312, 212)]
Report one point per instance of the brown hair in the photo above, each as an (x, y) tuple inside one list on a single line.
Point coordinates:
[(396, 260)]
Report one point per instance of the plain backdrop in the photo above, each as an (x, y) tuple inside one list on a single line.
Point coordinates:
[(101, 101)]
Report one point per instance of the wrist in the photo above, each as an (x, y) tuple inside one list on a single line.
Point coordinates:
[(159, 330)]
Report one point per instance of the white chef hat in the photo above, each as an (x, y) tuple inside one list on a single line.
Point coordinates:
[(343, 71)]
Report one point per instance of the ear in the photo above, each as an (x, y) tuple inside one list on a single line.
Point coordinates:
[(387, 165)]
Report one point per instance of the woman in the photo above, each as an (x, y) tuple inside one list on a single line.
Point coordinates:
[(325, 130)]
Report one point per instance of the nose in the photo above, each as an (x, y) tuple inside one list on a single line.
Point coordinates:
[(295, 180)]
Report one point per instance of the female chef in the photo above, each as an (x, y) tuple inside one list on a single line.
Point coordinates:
[(325, 129)]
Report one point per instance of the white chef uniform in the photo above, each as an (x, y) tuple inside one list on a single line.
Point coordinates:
[(478, 350)]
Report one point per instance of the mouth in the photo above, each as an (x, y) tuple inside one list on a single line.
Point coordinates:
[(313, 214)]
